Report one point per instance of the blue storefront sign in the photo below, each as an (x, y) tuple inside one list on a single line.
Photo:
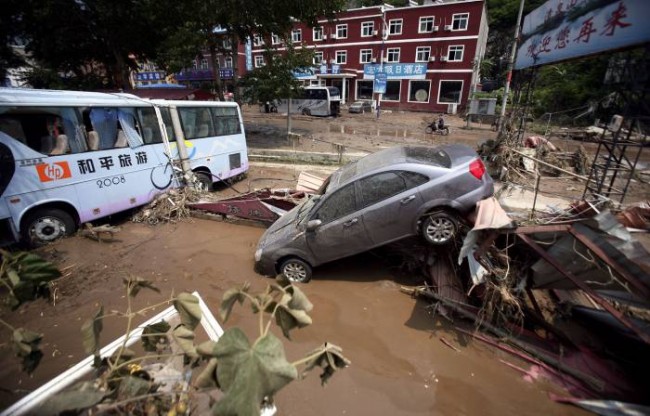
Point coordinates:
[(149, 76), (336, 69), (203, 74), (248, 49), (323, 69), (305, 73), (396, 71), (379, 86)]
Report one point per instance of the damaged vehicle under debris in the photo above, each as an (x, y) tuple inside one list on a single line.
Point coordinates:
[(381, 198)]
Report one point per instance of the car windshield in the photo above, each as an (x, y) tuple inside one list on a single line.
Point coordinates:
[(305, 208)]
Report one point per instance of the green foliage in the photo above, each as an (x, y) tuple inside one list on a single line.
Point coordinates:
[(188, 309), (26, 345), (329, 357), (90, 331), (26, 276), (153, 335), (249, 373), (82, 396)]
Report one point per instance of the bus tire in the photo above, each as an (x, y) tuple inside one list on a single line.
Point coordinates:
[(203, 181), (46, 225)]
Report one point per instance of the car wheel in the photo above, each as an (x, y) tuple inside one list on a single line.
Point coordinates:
[(46, 225), (306, 112), (428, 130), (296, 270), (203, 181), (439, 228)]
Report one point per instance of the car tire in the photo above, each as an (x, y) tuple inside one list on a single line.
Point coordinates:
[(306, 112), (46, 225), (428, 130), (439, 228), (296, 270), (203, 181)]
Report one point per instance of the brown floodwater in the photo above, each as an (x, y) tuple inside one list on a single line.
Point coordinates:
[(399, 365)]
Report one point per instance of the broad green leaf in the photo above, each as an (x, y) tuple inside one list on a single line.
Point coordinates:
[(288, 318), (83, 396), (208, 377), (329, 357), (26, 346), (264, 299), (206, 349), (185, 339), (90, 332), (133, 286), (24, 291), (13, 277), (248, 373), (188, 309), (152, 334), (299, 300), (230, 297), (131, 386)]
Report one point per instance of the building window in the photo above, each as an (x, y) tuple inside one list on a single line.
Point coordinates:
[(341, 31), (364, 90), (227, 62), (365, 56), (455, 53), (275, 39), (259, 61), (227, 44), (460, 21), (341, 57), (395, 27), (392, 90), (195, 65), (296, 35), (419, 91), (450, 91), (422, 53), (367, 29), (426, 24), (204, 63), (318, 33), (318, 58), (258, 41), (392, 55)]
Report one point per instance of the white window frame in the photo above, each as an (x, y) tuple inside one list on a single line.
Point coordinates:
[(408, 97), (395, 23), (341, 28), (204, 64), (259, 61), (227, 43), (366, 52), (296, 35), (341, 57), (318, 57), (455, 49), (227, 62), (275, 39), (390, 51), (424, 19), (317, 30), (459, 17), (422, 49), (462, 85), (258, 41), (367, 29)]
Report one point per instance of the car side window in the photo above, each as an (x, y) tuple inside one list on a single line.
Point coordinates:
[(381, 186), (340, 203), (413, 179)]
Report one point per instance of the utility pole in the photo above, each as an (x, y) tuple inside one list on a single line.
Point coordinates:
[(384, 35), (511, 64)]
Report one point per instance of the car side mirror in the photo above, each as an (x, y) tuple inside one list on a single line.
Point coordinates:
[(313, 224)]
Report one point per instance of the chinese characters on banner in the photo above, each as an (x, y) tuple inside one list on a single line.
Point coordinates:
[(566, 29), (396, 71), (48, 172)]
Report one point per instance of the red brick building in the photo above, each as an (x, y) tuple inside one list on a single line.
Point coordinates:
[(429, 53)]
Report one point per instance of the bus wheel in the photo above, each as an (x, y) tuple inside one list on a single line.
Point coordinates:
[(46, 225), (203, 181), (306, 112)]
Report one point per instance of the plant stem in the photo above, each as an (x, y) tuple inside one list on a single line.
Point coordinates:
[(7, 324), (306, 359)]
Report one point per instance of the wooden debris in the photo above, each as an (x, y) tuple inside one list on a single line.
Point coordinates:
[(96, 232)]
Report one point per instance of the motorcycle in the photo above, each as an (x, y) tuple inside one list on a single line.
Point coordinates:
[(433, 128)]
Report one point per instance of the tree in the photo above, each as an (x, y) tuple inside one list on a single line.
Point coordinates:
[(10, 31)]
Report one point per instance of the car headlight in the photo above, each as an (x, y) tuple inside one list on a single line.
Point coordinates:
[(258, 254)]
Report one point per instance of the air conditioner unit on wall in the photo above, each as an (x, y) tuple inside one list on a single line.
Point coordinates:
[(332, 61), (432, 58), (436, 28), (374, 59), (443, 59), (333, 36), (324, 37), (447, 27), (375, 32)]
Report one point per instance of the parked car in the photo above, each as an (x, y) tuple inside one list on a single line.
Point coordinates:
[(360, 107), (381, 198)]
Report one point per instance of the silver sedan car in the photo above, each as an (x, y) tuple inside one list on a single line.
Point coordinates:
[(360, 107), (381, 198)]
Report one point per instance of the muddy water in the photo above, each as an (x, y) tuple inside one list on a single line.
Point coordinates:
[(399, 365)]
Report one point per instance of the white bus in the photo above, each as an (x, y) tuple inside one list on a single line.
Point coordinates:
[(67, 158), (315, 101)]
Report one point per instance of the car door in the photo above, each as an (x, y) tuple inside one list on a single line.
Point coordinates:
[(342, 232), (389, 201)]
